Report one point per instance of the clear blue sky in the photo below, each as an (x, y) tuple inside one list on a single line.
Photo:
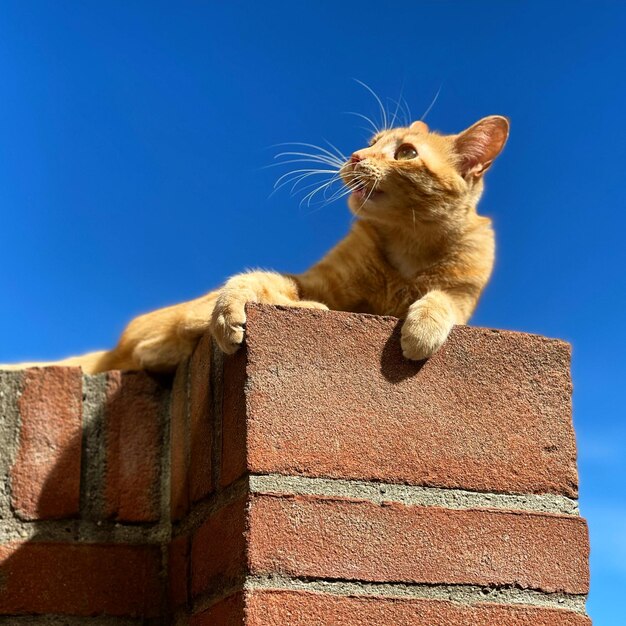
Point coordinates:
[(133, 137)]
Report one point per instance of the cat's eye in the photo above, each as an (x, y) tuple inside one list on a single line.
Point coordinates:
[(405, 152)]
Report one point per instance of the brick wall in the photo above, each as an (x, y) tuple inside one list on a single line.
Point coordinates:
[(314, 478)]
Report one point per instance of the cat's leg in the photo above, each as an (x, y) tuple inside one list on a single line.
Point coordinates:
[(229, 316), (90, 363), (429, 321), (160, 340)]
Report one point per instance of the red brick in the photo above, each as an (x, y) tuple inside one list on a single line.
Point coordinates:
[(201, 414), (134, 442), (80, 579), (178, 571), (218, 549), (329, 394), (227, 612), (45, 479), (234, 434), (349, 539), (297, 608), (179, 444)]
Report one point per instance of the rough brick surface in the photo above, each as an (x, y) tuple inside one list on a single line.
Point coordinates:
[(179, 444), (269, 608), (234, 435), (134, 417), (80, 579), (201, 415), (331, 395), (178, 571), (332, 538), (229, 612), (45, 479), (312, 395), (218, 550)]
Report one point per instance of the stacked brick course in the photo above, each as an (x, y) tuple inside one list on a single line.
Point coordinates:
[(314, 478), (81, 504)]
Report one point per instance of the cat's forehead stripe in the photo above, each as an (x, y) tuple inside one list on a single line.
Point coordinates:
[(397, 134)]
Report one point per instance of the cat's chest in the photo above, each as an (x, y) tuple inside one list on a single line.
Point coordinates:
[(395, 286), (405, 267)]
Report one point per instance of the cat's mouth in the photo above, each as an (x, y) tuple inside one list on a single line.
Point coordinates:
[(367, 194), (365, 186)]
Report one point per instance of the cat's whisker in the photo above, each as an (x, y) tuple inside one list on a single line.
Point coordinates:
[(338, 193), (313, 157), (326, 191), (294, 189), (383, 111), (318, 188), (368, 131), (309, 145), (397, 110), (324, 188), (333, 180), (330, 162), (309, 196), (368, 196), (341, 155), (409, 116), (303, 172), (321, 155), (344, 192), (298, 161), (374, 127), (326, 198), (294, 182), (325, 201), (400, 113), (297, 189), (354, 183), (297, 178), (432, 104), (313, 164)]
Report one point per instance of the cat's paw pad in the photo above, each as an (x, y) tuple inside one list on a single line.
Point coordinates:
[(425, 330), (228, 323)]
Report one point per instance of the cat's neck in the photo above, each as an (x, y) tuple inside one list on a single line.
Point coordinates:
[(411, 248)]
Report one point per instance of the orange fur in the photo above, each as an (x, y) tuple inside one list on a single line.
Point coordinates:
[(417, 250)]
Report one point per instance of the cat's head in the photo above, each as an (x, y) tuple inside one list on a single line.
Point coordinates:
[(412, 173)]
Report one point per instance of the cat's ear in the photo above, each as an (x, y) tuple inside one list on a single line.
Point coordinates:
[(479, 145), (420, 126)]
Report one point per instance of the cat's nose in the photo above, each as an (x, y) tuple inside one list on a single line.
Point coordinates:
[(356, 157)]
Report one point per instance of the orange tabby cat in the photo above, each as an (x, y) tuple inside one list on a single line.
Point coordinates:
[(417, 250)]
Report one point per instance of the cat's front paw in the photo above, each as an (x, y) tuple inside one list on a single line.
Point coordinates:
[(228, 321), (309, 304), (427, 326)]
